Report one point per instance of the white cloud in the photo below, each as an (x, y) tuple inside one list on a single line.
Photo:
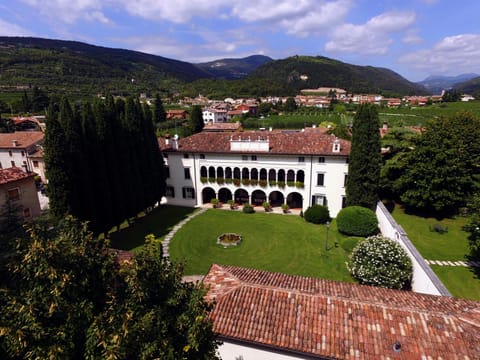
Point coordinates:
[(412, 38), (371, 38), (69, 11), (452, 55), (9, 29)]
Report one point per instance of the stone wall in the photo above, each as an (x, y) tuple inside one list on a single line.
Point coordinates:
[(424, 279)]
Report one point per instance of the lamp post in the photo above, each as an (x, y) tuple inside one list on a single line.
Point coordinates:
[(328, 228)]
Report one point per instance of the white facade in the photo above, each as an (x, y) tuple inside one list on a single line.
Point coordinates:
[(233, 351), (214, 115), (14, 157), (254, 177)]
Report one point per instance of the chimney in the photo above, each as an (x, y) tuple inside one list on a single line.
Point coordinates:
[(336, 145), (14, 143), (175, 142)]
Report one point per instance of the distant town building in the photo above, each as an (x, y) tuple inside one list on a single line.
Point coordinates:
[(16, 148), (18, 188)]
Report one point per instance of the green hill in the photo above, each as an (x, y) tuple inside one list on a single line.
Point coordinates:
[(234, 68), (471, 86), (75, 67), (300, 72)]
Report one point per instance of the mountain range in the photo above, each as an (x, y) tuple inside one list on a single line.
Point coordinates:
[(82, 69), (436, 83)]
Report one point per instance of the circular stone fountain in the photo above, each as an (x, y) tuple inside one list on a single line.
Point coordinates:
[(229, 239)]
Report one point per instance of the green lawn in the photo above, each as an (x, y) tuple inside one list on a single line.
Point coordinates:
[(452, 245), (271, 242), (159, 223)]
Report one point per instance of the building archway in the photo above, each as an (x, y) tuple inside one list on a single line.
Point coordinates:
[(207, 195), (220, 173), (203, 172), (254, 174), (276, 198), (263, 174), (290, 176), (236, 173), (241, 196), (211, 172), (301, 176), (295, 200), (272, 175), (281, 175), (224, 195), (258, 197), (228, 173), (245, 173)]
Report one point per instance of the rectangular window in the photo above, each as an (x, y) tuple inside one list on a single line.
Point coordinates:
[(202, 156), (167, 172), (301, 159), (188, 193), (320, 179), (26, 212), (345, 177), (13, 163), (321, 159), (10, 153), (13, 194), (185, 156), (23, 153), (35, 163), (187, 173), (170, 191), (319, 200), (244, 157), (344, 202), (254, 157)]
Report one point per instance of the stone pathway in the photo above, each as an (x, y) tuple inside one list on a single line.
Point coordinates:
[(169, 236), (454, 263)]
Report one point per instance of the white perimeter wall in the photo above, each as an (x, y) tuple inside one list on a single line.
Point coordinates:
[(232, 351), (424, 279)]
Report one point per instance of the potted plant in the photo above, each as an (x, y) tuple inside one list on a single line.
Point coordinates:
[(285, 208), (215, 203), (232, 204), (266, 205)]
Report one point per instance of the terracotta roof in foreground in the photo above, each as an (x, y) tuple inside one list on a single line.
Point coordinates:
[(23, 139), (13, 174), (329, 319), (280, 142)]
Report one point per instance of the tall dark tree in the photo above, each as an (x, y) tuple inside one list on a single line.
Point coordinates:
[(440, 173), (290, 104), (39, 100), (56, 162), (26, 104), (196, 120), (365, 158), (159, 114)]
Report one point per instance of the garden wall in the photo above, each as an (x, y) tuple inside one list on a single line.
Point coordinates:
[(424, 279)]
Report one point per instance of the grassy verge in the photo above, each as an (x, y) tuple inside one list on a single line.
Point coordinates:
[(452, 246), (271, 242), (159, 223)]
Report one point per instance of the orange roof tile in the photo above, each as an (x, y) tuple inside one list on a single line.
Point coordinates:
[(12, 174), (280, 142), (23, 139), (339, 320)]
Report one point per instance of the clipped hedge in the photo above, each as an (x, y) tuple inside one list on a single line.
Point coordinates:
[(357, 221), (317, 214), (248, 209), (380, 261)]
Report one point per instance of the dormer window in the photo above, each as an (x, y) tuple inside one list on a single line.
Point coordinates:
[(336, 145)]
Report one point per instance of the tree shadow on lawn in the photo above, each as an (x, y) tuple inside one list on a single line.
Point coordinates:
[(423, 213), (159, 222)]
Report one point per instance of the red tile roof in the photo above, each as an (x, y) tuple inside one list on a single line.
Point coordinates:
[(280, 142), (12, 174), (24, 139), (340, 320), (222, 126)]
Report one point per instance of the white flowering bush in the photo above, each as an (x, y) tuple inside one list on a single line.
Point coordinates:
[(380, 261)]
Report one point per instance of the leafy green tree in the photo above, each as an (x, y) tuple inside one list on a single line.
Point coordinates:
[(155, 316), (473, 226), (26, 104), (39, 100), (159, 113), (68, 298), (440, 173), (365, 158), (451, 96), (61, 279)]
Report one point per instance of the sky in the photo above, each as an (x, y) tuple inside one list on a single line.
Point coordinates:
[(415, 38)]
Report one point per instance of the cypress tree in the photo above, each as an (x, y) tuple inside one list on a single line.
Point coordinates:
[(196, 120), (365, 159), (159, 114), (58, 188)]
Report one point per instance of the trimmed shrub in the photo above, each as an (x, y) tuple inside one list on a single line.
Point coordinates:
[(357, 221), (380, 261), (248, 209), (317, 214)]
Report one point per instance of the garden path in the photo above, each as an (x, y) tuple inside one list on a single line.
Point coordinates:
[(454, 263)]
